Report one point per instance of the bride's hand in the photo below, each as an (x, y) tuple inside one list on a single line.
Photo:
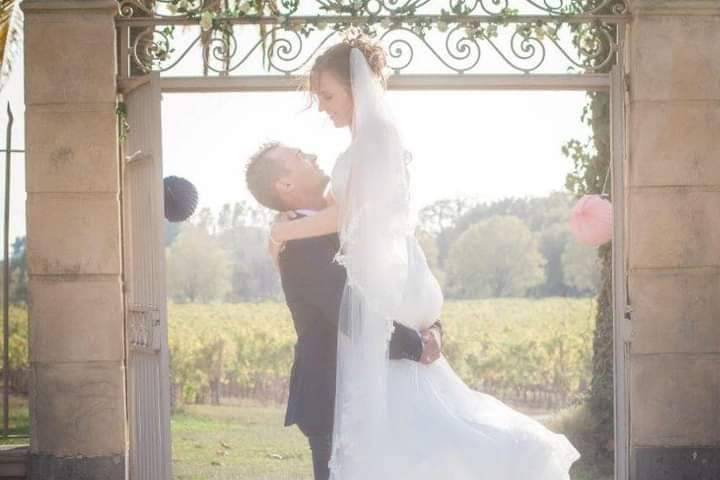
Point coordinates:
[(431, 346)]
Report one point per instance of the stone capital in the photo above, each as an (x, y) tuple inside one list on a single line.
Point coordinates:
[(674, 7), (32, 6)]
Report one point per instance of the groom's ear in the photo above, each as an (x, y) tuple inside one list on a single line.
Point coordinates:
[(284, 185)]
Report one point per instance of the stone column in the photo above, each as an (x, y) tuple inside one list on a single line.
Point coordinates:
[(73, 228), (674, 239)]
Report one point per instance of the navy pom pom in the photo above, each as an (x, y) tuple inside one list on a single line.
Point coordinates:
[(181, 198)]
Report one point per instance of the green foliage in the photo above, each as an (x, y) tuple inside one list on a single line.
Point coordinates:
[(238, 234), (18, 288), (18, 349), (498, 257), (432, 254), (553, 240), (18, 342), (580, 266), (197, 267), (509, 343), (591, 166), (246, 346)]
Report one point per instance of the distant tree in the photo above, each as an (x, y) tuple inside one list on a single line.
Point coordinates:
[(172, 230), (429, 247), (439, 219), (198, 269), (552, 240), (19, 272), (253, 276), (224, 220), (498, 257), (442, 214), (205, 220), (18, 289), (581, 267)]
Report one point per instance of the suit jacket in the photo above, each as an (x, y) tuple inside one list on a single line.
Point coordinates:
[(314, 284)]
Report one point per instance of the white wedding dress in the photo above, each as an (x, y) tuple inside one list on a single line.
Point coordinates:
[(399, 419)]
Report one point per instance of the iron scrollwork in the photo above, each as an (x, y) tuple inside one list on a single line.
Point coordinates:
[(582, 33)]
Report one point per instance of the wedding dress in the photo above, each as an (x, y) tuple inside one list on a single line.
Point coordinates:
[(399, 419)]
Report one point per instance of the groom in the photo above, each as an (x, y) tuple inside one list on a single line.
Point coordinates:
[(286, 179)]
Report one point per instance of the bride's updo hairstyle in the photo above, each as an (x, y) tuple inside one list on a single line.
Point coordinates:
[(336, 60)]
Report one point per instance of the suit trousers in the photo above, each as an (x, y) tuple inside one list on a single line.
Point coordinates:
[(321, 448)]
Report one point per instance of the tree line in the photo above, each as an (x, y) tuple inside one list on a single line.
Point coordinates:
[(515, 247)]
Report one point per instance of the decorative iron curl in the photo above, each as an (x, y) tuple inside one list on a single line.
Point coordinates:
[(551, 7), (526, 48), (397, 49), (289, 7), (614, 7), (151, 48), (499, 6), (284, 50), (373, 7), (597, 47), (221, 47), (132, 8), (399, 6), (460, 48), (128, 8)]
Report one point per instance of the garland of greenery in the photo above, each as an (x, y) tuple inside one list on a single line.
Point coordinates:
[(591, 163)]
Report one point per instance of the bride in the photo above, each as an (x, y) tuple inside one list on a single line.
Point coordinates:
[(400, 419)]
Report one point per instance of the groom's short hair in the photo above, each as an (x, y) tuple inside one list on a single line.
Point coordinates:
[(262, 171)]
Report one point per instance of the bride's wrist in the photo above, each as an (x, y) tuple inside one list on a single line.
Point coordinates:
[(278, 233)]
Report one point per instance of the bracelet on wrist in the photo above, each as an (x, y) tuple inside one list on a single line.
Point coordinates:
[(273, 241)]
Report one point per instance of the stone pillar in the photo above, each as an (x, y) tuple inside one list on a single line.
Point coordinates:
[(74, 250), (674, 239)]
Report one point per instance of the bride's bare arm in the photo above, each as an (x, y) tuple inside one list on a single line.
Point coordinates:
[(324, 222)]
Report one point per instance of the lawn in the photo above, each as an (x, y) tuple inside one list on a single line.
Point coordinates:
[(18, 422), (247, 441), (244, 441)]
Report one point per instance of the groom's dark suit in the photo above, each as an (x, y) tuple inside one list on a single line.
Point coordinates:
[(313, 284)]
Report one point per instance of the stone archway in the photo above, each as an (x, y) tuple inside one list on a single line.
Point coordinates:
[(74, 241)]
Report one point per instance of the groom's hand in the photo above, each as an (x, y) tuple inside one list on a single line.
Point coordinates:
[(431, 346)]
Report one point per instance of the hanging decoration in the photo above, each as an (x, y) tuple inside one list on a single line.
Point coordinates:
[(181, 199)]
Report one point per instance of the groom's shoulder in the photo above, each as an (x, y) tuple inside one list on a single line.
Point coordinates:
[(324, 242)]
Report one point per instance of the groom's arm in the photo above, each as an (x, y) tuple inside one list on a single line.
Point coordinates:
[(407, 343)]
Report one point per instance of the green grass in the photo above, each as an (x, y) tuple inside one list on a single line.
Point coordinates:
[(245, 441), (577, 424), (248, 441), (18, 421)]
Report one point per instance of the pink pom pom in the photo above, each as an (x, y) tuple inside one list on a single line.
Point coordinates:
[(591, 220)]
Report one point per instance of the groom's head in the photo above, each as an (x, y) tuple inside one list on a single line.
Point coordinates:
[(285, 178)]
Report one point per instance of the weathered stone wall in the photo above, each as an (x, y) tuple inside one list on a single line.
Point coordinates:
[(674, 239), (73, 228)]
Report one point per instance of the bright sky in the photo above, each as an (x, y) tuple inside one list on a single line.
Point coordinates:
[(487, 145)]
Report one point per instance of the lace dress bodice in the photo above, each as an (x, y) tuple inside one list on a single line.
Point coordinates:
[(422, 298)]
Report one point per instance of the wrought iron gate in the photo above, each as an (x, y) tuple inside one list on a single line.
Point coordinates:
[(148, 373)]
